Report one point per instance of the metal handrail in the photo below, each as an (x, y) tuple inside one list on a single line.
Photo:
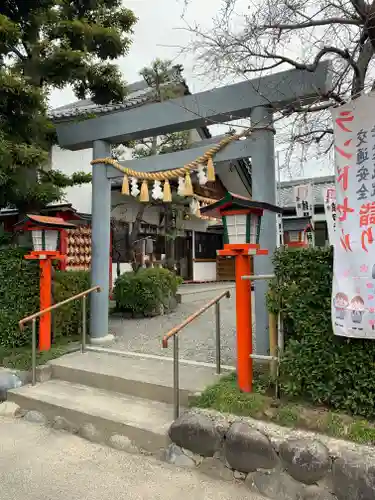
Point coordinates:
[(34, 317), (174, 333)]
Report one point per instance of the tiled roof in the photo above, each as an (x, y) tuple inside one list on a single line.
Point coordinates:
[(139, 93), (286, 190), (44, 220), (87, 106)]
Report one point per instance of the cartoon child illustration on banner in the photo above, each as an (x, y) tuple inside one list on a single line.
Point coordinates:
[(357, 306), (340, 303)]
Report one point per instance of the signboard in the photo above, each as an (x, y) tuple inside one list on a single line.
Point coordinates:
[(353, 287), (329, 197), (279, 230), (303, 198), (309, 234)]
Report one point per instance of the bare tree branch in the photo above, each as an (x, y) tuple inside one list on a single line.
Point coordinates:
[(321, 134), (361, 8), (309, 24), (18, 53), (265, 68), (363, 61), (312, 67), (259, 37)]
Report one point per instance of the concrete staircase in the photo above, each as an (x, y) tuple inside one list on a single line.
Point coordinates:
[(129, 395)]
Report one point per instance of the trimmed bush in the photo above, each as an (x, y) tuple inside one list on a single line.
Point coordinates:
[(67, 319), (19, 297), (317, 365), (146, 292)]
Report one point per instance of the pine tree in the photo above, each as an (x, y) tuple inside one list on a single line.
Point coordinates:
[(47, 44)]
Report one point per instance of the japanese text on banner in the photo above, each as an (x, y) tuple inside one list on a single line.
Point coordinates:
[(329, 197), (303, 198), (353, 287)]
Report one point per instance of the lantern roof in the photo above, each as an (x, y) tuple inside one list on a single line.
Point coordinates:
[(236, 202), (43, 221)]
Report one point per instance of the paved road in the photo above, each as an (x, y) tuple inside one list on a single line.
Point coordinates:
[(197, 340), (39, 463)]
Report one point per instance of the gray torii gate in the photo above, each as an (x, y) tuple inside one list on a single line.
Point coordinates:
[(257, 99)]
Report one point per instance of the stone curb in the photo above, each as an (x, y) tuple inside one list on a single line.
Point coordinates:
[(279, 463), (11, 378), (86, 431)]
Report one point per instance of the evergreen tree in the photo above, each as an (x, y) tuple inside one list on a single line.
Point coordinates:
[(47, 44)]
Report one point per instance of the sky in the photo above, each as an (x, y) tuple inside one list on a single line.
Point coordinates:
[(161, 33)]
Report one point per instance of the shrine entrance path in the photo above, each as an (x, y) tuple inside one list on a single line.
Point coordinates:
[(197, 340)]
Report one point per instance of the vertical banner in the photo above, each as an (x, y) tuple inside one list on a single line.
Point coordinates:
[(303, 198), (353, 287), (329, 197), (280, 230), (304, 202)]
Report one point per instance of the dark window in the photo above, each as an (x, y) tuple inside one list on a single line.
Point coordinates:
[(206, 245), (120, 235), (321, 234)]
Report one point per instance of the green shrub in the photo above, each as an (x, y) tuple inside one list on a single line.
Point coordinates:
[(67, 319), (19, 295), (317, 365), (145, 291)]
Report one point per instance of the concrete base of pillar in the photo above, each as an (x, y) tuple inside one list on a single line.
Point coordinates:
[(107, 339)]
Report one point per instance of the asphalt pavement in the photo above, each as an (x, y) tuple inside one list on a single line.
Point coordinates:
[(39, 463)]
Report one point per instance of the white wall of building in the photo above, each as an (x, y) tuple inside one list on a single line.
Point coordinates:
[(231, 179), (204, 271), (75, 161), (124, 268)]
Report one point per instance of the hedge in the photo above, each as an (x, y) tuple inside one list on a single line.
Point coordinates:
[(317, 365), (19, 297), (146, 291), (67, 319), (19, 283)]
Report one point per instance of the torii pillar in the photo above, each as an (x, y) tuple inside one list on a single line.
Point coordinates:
[(100, 248), (263, 188)]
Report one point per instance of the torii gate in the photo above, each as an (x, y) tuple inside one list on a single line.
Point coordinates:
[(257, 99)]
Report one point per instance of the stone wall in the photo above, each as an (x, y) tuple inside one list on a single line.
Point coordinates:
[(279, 463)]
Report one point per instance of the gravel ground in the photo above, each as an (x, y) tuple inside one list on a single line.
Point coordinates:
[(197, 340)]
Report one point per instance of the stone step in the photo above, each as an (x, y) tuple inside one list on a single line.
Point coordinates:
[(143, 421), (212, 288), (144, 376)]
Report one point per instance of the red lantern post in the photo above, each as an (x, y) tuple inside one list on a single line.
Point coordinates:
[(242, 221), (45, 232)]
